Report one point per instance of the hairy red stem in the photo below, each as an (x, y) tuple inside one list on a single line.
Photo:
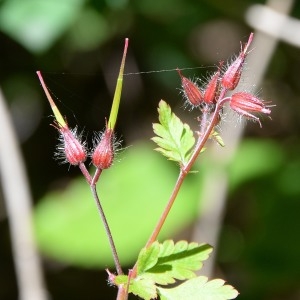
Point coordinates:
[(183, 173)]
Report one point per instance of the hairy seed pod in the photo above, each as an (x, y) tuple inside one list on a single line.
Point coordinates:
[(233, 74), (191, 91), (103, 154)]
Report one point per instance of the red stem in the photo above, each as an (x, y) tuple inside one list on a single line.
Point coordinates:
[(92, 183), (85, 173), (107, 230), (122, 292), (166, 211), (183, 173), (96, 176)]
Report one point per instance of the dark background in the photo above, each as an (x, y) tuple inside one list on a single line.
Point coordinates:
[(79, 59)]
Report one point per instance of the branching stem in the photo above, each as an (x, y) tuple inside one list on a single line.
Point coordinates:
[(184, 171), (85, 173)]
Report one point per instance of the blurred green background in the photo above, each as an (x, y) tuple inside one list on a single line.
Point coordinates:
[(78, 46)]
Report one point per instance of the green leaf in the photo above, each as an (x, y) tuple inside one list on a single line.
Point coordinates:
[(145, 288), (173, 261), (148, 258), (162, 264), (38, 24), (199, 288), (174, 138)]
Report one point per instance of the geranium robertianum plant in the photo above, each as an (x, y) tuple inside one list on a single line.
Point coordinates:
[(161, 264)]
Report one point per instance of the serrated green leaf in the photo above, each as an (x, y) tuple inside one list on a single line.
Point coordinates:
[(174, 138), (177, 261), (145, 288), (147, 258), (199, 288)]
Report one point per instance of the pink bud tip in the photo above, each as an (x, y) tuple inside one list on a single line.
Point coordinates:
[(211, 89), (232, 76)]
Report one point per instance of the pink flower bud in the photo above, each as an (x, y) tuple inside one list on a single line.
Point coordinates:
[(232, 76), (211, 89), (74, 150), (191, 91), (103, 154), (245, 103)]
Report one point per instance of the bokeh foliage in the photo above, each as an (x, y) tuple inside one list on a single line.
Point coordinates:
[(78, 44)]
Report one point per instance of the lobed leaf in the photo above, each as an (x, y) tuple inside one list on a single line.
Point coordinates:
[(147, 258), (174, 138), (173, 261), (145, 288), (199, 288), (162, 264)]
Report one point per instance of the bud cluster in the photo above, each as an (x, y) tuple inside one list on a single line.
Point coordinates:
[(211, 96), (214, 92), (72, 149)]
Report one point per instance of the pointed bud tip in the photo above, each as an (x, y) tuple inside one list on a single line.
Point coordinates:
[(250, 39), (59, 118), (126, 46), (211, 89), (179, 72), (233, 74), (39, 74), (118, 90)]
